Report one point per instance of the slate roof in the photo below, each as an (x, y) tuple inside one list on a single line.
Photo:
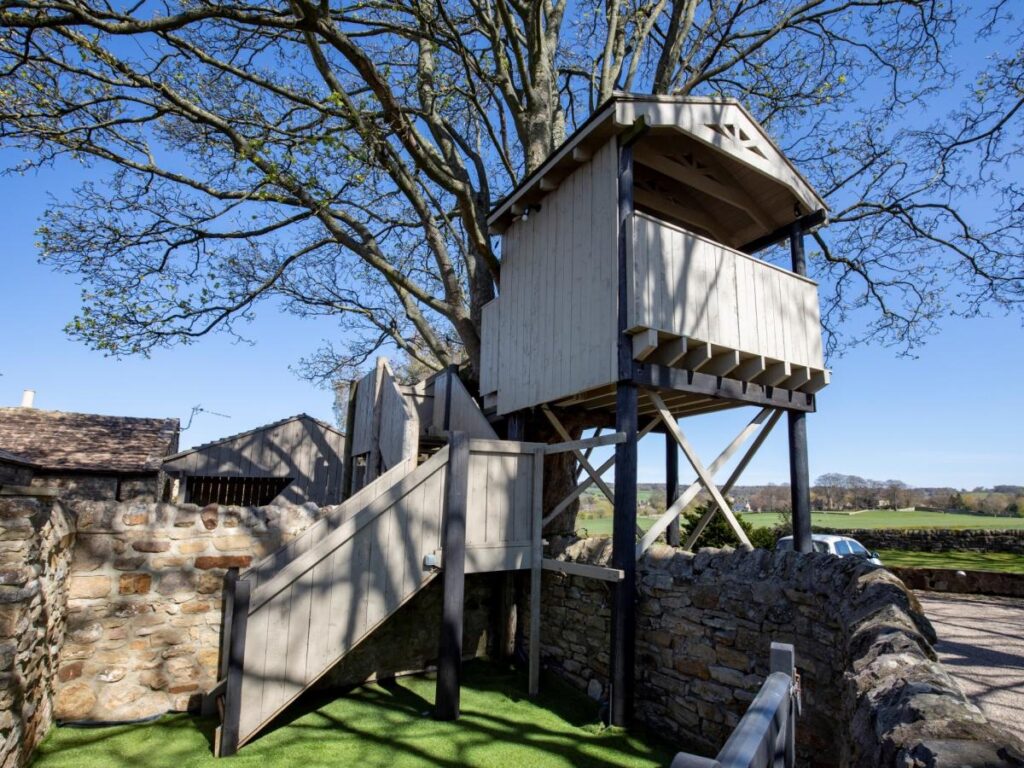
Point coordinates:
[(86, 441)]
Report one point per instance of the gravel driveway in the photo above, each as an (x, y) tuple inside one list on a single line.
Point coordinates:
[(981, 644)]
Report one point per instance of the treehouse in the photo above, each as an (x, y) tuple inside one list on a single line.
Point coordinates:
[(663, 244), (630, 296)]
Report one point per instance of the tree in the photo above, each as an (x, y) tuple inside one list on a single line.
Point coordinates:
[(830, 486), (342, 159)]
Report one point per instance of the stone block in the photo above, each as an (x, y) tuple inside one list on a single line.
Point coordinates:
[(89, 587), (134, 583), (74, 702), (192, 547), (151, 545), (210, 515), (234, 543)]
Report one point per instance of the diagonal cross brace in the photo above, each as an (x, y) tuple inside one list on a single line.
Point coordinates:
[(594, 476), (707, 516), (705, 477), (582, 487), (691, 492)]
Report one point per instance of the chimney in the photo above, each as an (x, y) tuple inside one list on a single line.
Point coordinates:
[(28, 397)]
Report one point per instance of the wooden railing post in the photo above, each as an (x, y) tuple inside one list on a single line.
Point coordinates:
[(783, 659), (237, 597), (449, 665)]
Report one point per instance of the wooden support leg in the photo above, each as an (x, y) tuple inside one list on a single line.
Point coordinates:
[(624, 557), (449, 665), (536, 562), (799, 482), (237, 593), (671, 487)]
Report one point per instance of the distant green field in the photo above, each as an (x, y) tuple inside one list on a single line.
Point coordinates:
[(602, 526), (1005, 562), (884, 518), (879, 518)]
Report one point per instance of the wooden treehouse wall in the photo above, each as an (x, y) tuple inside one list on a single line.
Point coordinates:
[(556, 329)]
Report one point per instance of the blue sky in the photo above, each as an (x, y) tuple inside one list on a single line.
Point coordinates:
[(953, 416)]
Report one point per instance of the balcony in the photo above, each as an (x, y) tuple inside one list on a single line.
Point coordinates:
[(696, 304)]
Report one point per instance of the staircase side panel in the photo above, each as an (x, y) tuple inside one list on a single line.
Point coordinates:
[(499, 503), (341, 594)]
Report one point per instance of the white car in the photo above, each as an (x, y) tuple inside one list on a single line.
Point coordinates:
[(841, 546)]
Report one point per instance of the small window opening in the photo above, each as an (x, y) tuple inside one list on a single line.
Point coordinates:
[(234, 491)]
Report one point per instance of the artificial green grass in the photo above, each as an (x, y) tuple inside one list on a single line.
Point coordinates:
[(872, 518), (1004, 562), (387, 725)]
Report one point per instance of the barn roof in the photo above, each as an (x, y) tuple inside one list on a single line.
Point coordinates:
[(86, 441), (247, 433), (714, 144)]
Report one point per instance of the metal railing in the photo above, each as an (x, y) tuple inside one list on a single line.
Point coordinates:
[(765, 737)]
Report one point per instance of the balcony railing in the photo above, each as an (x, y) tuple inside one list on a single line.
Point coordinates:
[(686, 286)]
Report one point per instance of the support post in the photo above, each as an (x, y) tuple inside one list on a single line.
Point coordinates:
[(237, 594), (799, 479), (623, 634), (536, 563), (624, 557), (449, 665), (671, 487)]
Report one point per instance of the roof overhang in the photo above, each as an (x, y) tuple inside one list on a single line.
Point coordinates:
[(723, 125)]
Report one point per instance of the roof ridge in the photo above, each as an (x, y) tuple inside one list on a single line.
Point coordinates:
[(244, 433)]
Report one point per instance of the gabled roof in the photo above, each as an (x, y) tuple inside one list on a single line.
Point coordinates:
[(248, 432), (722, 125), (60, 440)]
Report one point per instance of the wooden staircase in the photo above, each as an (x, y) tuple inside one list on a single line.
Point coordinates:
[(295, 614)]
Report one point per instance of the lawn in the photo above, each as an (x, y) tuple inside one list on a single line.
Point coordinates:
[(385, 726), (1005, 562)]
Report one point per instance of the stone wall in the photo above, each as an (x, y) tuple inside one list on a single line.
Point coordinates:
[(36, 539), (144, 605), (873, 693), (963, 582), (937, 539)]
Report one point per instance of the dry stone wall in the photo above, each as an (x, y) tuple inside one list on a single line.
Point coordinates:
[(938, 539), (145, 607), (144, 601), (873, 692), (963, 582), (36, 538)]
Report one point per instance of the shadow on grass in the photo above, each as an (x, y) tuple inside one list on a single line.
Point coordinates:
[(389, 725)]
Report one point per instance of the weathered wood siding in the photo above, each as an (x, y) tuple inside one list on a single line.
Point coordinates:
[(687, 285), (500, 506), (465, 415), (555, 334), (489, 324), (301, 448), (385, 427)]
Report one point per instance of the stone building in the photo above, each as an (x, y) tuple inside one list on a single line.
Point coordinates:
[(86, 455)]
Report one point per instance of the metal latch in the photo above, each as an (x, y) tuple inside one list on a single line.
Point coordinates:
[(432, 561)]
